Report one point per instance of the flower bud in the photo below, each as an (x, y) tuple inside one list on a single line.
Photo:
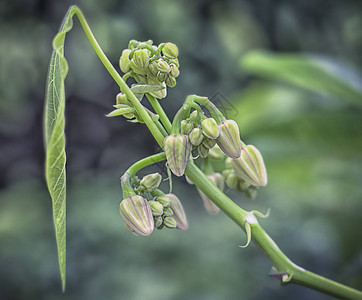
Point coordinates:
[(229, 163), (216, 153), (122, 99), (163, 66), (161, 77), (157, 94), (168, 212), (133, 44), (156, 207), (250, 166), (141, 58), (229, 138), (208, 143), (243, 186), (203, 151), (151, 181), (186, 127), (124, 61), (251, 193), (210, 128), (170, 222), (170, 50), (152, 68), (137, 69), (232, 181), (175, 62), (178, 212), (196, 136), (137, 214), (171, 81), (158, 222), (175, 72), (177, 149), (164, 200), (210, 206)]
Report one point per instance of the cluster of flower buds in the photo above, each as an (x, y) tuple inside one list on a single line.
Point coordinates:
[(150, 64), (141, 215)]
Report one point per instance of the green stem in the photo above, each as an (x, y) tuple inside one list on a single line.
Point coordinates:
[(159, 110), (214, 111), (145, 162), (123, 86), (180, 115)]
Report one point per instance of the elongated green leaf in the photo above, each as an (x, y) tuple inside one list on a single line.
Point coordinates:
[(146, 88), (121, 112), (314, 73), (54, 138)]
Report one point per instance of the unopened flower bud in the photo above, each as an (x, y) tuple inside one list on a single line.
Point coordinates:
[(141, 58), (229, 138), (186, 127), (170, 50), (137, 214), (157, 94), (210, 128), (163, 66), (232, 181), (193, 116), (151, 181), (171, 81), (175, 72), (216, 153), (133, 44), (164, 200), (168, 212), (251, 193), (177, 149), (152, 68), (137, 69), (178, 212), (175, 62), (124, 61), (243, 186), (156, 207), (210, 206), (158, 221), (161, 77), (196, 136), (170, 222), (203, 151), (229, 163), (208, 143), (250, 166)]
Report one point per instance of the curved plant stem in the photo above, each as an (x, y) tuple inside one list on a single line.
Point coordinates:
[(159, 110), (145, 162)]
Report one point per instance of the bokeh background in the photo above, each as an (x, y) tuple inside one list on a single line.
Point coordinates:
[(286, 71)]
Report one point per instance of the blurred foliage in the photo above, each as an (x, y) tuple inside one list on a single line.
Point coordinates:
[(296, 96)]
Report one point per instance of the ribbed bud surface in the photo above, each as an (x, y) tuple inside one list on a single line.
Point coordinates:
[(178, 212), (151, 181), (210, 128), (229, 138), (177, 149)]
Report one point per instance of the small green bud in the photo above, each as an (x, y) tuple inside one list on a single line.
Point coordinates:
[(157, 94), (243, 186), (170, 50), (124, 61), (175, 72), (216, 153), (156, 207), (152, 68), (177, 149), (171, 81), (141, 58), (210, 128), (229, 163), (158, 222), (163, 66), (133, 44), (135, 68), (208, 143), (161, 77), (170, 222), (229, 138), (186, 127), (250, 166), (193, 116), (232, 181), (178, 212), (251, 193), (196, 136), (226, 173), (122, 99), (164, 200), (210, 206), (203, 151), (136, 213), (151, 181), (175, 62), (168, 212)]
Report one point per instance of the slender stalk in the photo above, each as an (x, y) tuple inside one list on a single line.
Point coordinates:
[(145, 162), (159, 110)]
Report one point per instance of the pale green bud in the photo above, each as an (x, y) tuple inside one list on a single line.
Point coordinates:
[(232, 181), (137, 214), (164, 200), (208, 143), (133, 44), (175, 72), (193, 116), (141, 58), (152, 68), (250, 166), (175, 62), (177, 149), (137, 69), (203, 151), (157, 94), (168, 212), (210, 206), (151, 181), (124, 61), (216, 153), (122, 99), (229, 163), (178, 212), (170, 222), (229, 138), (186, 127), (163, 66), (251, 193), (170, 50), (196, 136), (161, 77), (158, 222), (156, 207), (210, 128), (243, 186), (171, 81)]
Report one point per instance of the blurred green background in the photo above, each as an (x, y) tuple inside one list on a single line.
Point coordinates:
[(287, 72)]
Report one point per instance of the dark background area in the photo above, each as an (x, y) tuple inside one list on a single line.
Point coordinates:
[(310, 138)]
